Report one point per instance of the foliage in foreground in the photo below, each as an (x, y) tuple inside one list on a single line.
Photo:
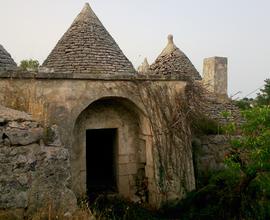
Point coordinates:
[(263, 98), (223, 198), (242, 191), (114, 207)]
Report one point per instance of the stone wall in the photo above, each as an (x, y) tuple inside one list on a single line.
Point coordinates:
[(210, 152), (33, 167), (222, 111)]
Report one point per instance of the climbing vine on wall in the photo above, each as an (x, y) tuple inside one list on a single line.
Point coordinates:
[(170, 112)]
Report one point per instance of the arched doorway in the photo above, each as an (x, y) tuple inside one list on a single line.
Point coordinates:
[(111, 150)]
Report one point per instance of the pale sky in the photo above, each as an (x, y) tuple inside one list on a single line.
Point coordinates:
[(237, 29)]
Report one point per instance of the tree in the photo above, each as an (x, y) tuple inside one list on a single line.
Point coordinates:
[(29, 64), (253, 147), (245, 103), (263, 98)]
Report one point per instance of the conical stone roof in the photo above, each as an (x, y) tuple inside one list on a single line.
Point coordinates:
[(6, 61), (172, 61), (87, 47)]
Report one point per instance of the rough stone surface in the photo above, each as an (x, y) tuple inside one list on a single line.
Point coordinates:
[(87, 47), (222, 110), (173, 61), (6, 61), (32, 174), (19, 74), (7, 114)]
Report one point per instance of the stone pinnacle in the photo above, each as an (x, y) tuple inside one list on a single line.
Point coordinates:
[(170, 48), (144, 68), (170, 39), (87, 14)]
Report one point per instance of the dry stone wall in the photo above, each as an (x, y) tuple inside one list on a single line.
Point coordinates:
[(33, 174), (212, 152), (223, 111)]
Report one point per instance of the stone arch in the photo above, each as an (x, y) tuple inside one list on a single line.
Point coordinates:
[(133, 147)]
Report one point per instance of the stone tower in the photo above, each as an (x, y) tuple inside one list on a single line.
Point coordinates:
[(215, 76)]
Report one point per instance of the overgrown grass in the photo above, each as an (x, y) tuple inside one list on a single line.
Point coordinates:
[(117, 208)]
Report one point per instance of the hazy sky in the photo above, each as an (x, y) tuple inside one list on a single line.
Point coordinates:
[(237, 29)]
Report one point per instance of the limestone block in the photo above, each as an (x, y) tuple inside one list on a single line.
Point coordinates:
[(132, 158), (23, 137), (123, 185), (132, 168), (123, 159), (123, 169)]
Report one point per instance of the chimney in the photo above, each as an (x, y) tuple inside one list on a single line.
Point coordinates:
[(215, 75)]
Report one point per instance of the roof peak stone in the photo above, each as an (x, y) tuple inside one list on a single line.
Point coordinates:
[(87, 15), (170, 39), (171, 47)]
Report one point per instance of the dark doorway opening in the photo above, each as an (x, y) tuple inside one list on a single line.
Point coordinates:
[(101, 160)]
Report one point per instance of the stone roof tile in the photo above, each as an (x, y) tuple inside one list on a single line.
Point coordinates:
[(87, 47)]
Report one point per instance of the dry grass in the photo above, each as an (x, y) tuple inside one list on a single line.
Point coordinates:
[(49, 213)]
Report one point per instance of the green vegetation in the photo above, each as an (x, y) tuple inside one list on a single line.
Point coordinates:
[(206, 126), (242, 190), (29, 65), (245, 103), (106, 207), (263, 97)]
